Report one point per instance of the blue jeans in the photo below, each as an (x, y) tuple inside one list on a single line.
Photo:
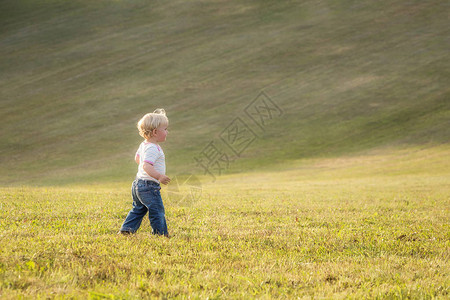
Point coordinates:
[(146, 197)]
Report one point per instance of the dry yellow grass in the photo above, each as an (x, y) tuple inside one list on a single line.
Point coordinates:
[(311, 232)]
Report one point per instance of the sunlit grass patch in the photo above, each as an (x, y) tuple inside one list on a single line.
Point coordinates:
[(297, 233)]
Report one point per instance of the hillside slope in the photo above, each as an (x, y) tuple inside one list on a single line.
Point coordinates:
[(75, 76)]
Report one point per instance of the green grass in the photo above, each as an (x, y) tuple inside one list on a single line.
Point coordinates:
[(345, 195), (350, 76), (373, 226)]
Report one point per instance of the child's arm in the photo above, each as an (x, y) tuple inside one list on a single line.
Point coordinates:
[(136, 158), (155, 174)]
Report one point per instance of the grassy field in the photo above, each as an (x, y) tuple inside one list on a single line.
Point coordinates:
[(344, 193), (353, 227), (75, 76)]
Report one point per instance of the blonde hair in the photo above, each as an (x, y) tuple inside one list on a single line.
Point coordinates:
[(151, 121)]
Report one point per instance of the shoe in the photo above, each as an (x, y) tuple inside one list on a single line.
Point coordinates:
[(124, 232)]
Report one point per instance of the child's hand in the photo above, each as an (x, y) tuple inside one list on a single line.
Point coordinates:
[(164, 179)]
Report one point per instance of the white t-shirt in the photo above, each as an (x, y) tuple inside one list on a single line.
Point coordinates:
[(152, 154)]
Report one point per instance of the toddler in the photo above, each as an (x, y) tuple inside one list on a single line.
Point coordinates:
[(145, 189)]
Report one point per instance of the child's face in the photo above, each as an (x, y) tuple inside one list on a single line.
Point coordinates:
[(160, 133)]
